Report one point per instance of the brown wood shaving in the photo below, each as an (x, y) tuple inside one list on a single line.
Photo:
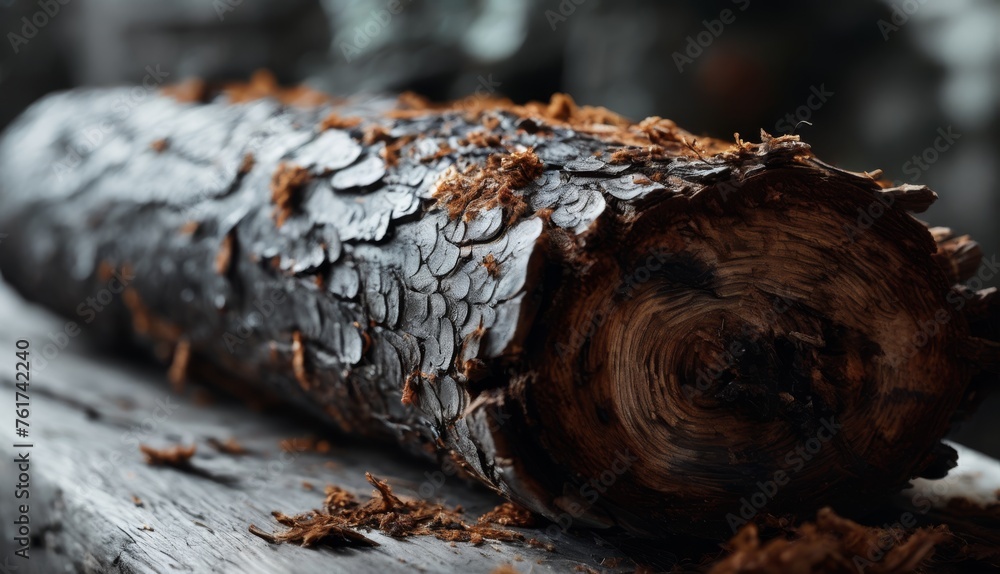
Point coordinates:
[(335, 121), (285, 184), (263, 84), (393, 145), (247, 164), (410, 396), (177, 456), (145, 323), (224, 257), (229, 446), (177, 373), (509, 514), (536, 543), (491, 265), (187, 91), (305, 444), (391, 152), (481, 138), (312, 529), (299, 362)]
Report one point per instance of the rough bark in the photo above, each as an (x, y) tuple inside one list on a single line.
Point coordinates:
[(607, 322)]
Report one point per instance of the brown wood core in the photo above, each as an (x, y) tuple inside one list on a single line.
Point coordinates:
[(747, 338)]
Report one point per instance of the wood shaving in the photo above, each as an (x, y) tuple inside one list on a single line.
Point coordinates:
[(177, 456), (336, 524)]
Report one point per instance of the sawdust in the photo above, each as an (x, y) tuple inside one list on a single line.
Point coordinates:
[(247, 163), (409, 391), (188, 91), (481, 139), (145, 322), (263, 84), (177, 373), (335, 121), (286, 182), (482, 187), (228, 446), (491, 265), (376, 133), (509, 514), (831, 545), (562, 111), (342, 515), (177, 456), (224, 257), (305, 444), (299, 362)]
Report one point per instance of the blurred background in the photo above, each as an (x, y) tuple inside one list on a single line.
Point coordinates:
[(908, 86)]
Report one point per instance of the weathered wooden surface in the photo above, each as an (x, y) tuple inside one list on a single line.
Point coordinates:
[(90, 411)]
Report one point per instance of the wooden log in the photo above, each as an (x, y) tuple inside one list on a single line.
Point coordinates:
[(610, 323)]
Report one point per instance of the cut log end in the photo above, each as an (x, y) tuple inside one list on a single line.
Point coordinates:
[(754, 340)]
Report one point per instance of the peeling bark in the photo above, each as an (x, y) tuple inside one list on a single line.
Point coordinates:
[(614, 322)]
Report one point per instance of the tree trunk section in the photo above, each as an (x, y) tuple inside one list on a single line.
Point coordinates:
[(613, 324)]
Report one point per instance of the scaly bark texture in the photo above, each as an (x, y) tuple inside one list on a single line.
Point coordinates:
[(609, 323)]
